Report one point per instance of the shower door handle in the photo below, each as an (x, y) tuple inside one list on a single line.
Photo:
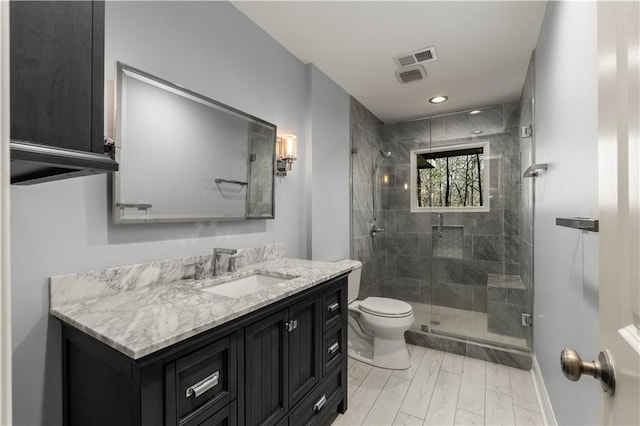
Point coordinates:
[(440, 224)]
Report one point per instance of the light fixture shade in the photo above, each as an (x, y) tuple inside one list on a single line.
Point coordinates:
[(287, 148), (438, 99)]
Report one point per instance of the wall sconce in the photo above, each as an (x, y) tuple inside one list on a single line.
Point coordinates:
[(286, 153)]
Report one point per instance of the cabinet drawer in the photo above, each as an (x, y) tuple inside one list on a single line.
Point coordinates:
[(333, 348), (224, 417), (318, 406), (204, 380), (334, 305)]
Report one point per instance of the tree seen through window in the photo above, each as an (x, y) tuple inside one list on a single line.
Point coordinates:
[(451, 178)]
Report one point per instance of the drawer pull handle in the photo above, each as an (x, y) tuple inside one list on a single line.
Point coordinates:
[(333, 307), (203, 385), (318, 405), (333, 348)]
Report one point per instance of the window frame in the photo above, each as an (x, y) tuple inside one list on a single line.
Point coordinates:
[(413, 196)]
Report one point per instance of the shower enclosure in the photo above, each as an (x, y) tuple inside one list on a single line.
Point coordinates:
[(441, 219)]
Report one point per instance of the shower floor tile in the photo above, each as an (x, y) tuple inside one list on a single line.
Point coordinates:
[(440, 388), (460, 323)]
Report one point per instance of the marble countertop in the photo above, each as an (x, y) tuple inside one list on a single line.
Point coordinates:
[(140, 321)]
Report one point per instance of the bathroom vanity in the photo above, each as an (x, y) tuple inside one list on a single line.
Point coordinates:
[(141, 348)]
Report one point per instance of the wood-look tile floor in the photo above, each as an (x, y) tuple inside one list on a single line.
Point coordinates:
[(440, 389)]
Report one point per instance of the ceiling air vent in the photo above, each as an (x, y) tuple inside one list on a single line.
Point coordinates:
[(422, 55), (408, 74)]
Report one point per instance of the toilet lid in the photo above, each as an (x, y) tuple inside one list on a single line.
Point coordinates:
[(382, 306)]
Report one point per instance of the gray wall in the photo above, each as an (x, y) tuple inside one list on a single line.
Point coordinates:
[(490, 242), (566, 260), (366, 140), (329, 213), (63, 227)]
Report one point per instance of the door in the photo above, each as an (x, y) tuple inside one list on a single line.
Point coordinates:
[(304, 347), (619, 198), (266, 370)]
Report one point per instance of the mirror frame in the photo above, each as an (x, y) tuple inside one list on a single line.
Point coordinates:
[(118, 217)]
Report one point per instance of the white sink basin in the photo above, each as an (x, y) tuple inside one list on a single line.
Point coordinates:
[(246, 285)]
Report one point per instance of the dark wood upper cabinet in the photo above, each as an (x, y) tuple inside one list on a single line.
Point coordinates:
[(57, 89)]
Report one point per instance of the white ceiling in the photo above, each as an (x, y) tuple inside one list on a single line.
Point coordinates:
[(483, 48)]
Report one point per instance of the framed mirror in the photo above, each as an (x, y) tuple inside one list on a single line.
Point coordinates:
[(452, 178), (187, 158)]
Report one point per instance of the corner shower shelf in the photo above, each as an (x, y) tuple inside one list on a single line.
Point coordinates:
[(535, 169), (581, 223)]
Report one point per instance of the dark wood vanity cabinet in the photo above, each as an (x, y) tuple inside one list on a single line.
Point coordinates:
[(283, 360), (284, 364)]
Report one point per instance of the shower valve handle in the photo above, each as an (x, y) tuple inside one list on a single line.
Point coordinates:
[(375, 230)]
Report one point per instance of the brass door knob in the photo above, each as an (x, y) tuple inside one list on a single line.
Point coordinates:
[(573, 367)]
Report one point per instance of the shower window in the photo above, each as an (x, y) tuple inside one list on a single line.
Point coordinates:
[(450, 178)]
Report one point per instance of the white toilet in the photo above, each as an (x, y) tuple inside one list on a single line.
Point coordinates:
[(376, 328)]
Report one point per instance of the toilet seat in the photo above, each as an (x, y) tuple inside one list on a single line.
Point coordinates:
[(385, 307)]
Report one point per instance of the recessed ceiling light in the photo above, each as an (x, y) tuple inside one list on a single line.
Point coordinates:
[(475, 112), (477, 132), (438, 99)]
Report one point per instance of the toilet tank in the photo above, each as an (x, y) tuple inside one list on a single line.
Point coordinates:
[(354, 283)]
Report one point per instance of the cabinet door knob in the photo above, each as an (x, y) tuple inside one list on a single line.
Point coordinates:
[(333, 348), (320, 403), (204, 385), (333, 307)]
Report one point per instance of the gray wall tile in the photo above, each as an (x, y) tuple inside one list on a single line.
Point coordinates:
[(497, 294), (403, 243), (402, 289), (505, 319), (452, 295), (417, 129), (470, 272), (413, 267), (480, 299)]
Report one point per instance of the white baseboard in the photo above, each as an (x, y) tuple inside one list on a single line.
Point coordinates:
[(543, 397)]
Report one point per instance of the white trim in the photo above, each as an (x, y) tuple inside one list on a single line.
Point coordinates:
[(5, 282), (543, 397), (486, 181)]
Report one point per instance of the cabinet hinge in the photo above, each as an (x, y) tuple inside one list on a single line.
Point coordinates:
[(527, 320)]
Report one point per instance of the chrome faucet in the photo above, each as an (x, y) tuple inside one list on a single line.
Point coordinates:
[(218, 267), (233, 262)]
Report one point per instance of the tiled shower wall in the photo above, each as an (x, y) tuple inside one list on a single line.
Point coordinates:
[(527, 158), (366, 140), (489, 240)]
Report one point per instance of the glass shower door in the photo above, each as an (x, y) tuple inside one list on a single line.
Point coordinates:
[(473, 187)]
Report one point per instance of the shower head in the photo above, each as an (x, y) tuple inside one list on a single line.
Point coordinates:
[(383, 155)]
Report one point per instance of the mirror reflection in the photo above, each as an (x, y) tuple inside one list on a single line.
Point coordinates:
[(184, 157)]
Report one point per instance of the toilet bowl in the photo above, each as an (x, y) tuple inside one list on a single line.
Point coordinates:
[(376, 328)]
